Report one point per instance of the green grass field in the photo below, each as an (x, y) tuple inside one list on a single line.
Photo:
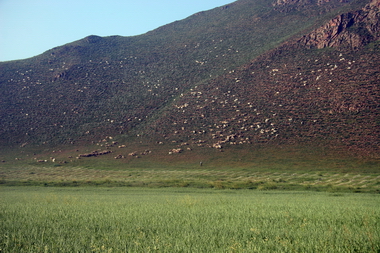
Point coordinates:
[(97, 219), (291, 168), (239, 200)]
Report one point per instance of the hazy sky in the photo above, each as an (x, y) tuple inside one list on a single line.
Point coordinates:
[(30, 27)]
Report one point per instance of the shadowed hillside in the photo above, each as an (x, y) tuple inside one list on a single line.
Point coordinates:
[(251, 72)]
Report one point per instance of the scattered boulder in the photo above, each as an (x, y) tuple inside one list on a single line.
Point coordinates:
[(217, 145), (119, 157), (175, 151)]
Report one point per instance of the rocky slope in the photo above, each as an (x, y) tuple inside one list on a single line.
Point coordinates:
[(352, 30), (293, 94)]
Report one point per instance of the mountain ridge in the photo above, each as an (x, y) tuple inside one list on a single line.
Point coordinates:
[(129, 86)]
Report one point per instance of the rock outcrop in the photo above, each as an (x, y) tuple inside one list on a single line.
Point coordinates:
[(351, 30)]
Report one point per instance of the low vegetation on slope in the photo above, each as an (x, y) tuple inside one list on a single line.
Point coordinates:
[(327, 96), (98, 87)]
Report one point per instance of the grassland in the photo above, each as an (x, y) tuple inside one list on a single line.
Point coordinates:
[(235, 168), (296, 199), (198, 178), (88, 219)]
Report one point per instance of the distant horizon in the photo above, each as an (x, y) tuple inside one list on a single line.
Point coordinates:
[(45, 25)]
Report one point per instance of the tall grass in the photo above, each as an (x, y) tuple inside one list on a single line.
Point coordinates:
[(186, 220)]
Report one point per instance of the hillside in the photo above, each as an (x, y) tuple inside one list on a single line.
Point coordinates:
[(286, 72)]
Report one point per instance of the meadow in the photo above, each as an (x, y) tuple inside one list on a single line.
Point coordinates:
[(132, 219), (234, 168)]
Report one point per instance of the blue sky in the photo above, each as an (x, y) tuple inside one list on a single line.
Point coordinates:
[(30, 27)]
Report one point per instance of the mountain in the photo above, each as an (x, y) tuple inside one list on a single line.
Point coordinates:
[(254, 72)]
